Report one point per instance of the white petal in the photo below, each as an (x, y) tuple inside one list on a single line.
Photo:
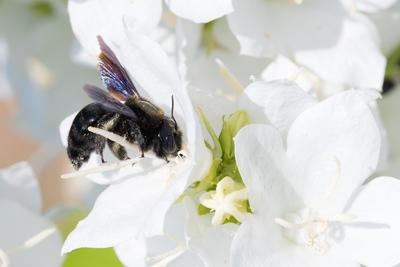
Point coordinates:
[(19, 225), (18, 183), (259, 242), (90, 18), (200, 11), (343, 129), (261, 159), (132, 253), (341, 50), (263, 31), (211, 243), (65, 125), (147, 251), (284, 68), (278, 102), (373, 238), (133, 208), (354, 60)]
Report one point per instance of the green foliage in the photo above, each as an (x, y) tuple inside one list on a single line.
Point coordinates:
[(223, 151), (42, 8), (393, 65), (208, 39), (91, 257)]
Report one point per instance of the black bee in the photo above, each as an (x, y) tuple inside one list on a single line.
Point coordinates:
[(122, 111)]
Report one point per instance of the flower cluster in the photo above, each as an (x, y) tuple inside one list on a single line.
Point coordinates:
[(276, 101)]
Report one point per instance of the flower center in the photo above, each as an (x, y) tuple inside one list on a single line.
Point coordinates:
[(228, 200), (308, 228)]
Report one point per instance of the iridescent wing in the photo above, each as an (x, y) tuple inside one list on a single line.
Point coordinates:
[(113, 74), (100, 96)]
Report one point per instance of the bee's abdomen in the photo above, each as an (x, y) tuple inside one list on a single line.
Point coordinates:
[(81, 142)]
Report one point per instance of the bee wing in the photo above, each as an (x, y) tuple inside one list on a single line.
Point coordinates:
[(113, 74), (109, 102)]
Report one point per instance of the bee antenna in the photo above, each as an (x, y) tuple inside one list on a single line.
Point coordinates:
[(172, 108)]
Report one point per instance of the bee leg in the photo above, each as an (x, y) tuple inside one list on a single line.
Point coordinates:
[(118, 150), (102, 156), (166, 159)]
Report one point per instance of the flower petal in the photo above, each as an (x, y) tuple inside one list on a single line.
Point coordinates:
[(19, 225), (372, 240), (200, 11), (284, 68), (354, 60), (211, 243), (90, 18), (132, 253), (261, 159), (147, 251), (259, 242), (18, 183), (343, 129), (134, 208), (280, 35), (343, 50), (278, 102)]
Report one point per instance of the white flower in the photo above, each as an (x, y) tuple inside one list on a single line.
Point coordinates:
[(200, 11), (90, 18), (227, 200), (189, 240), (26, 237), (135, 207), (320, 35), (309, 205)]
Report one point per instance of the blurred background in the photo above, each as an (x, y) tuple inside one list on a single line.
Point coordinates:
[(42, 72)]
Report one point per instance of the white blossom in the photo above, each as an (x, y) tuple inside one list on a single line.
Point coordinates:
[(319, 35), (306, 191), (109, 18), (227, 200)]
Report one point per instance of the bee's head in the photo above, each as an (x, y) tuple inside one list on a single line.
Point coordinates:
[(170, 137), (77, 157)]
